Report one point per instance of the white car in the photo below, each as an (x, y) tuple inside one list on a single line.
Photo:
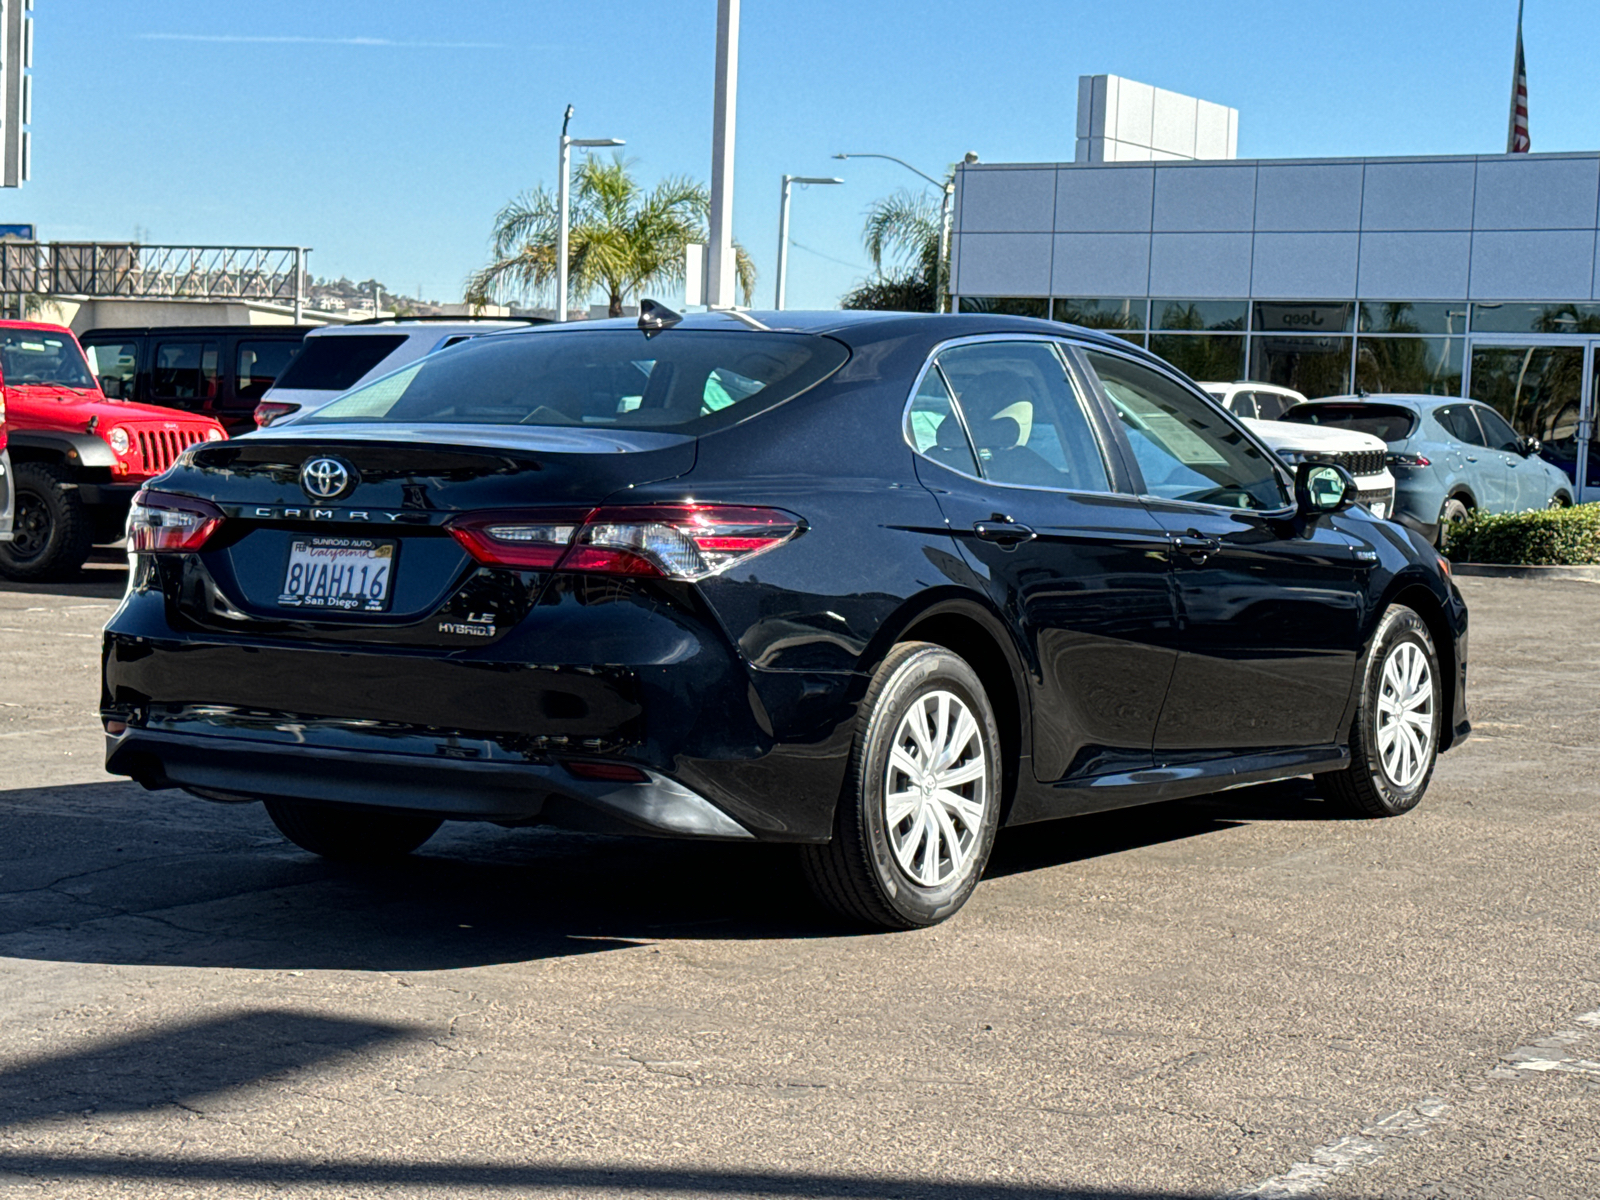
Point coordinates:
[(1364, 456), (336, 358)]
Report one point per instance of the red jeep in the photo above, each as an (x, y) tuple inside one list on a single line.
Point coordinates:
[(76, 457)]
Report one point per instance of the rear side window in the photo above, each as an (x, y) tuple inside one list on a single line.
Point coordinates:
[(1388, 422), (334, 363), (1024, 416), (259, 363), (684, 380), (1460, 424), (184, 371), (934, 428)]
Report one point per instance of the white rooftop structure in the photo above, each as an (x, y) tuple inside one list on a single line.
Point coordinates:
[(1121, 120)]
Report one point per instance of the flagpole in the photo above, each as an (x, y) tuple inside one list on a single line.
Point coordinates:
[(1516, 85)]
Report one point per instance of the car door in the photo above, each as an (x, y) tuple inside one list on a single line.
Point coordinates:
[(1482, 469), (1526, 484), (1044, 516), (1269, 603)]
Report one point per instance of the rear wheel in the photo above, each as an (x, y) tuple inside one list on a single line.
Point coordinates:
[(348, 833), (51, 533), (1454, 512), (1394, 740), (917, 818)]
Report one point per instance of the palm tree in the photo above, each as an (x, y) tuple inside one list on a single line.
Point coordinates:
[(622, 239), (902, 230)]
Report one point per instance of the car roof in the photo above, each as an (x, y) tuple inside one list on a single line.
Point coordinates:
[(430, 328), (860, 326), (268, 331), (1400, 399)]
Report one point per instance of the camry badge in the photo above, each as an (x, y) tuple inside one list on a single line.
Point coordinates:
[(326, 478)]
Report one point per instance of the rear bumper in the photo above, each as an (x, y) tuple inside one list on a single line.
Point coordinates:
[(239, 768)]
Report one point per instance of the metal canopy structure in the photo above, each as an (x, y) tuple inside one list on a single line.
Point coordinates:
[(275, 274)]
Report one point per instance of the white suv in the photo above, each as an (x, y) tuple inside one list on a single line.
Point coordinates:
[(336, 358), (1364, 456)]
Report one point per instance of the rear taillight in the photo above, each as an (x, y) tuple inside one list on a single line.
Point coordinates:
[(672, 541), (269, 411), (161, 523), (1407, 460)]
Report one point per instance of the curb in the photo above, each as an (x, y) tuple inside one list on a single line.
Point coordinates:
[(1583, 574)]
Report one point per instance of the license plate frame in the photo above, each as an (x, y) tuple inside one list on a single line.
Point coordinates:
[(369, 561)]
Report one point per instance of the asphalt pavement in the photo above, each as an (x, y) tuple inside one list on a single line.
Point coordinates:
[(1245, 994)]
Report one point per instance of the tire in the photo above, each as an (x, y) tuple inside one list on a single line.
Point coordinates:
[(51, 532), (1561, 500), (347, 833), (909, 873), (1385, 779), (1454, 511)]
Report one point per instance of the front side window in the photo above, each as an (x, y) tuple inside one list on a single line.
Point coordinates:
[(1024, 416), (184, 371), (1500, 435), (115, 364), (1186, 449), (682, 380)]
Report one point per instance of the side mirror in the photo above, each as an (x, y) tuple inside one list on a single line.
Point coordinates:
[(1322, 488), (1531, 446)]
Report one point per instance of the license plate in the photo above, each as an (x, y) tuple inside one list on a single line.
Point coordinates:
[(1380, 509), (352, 574)]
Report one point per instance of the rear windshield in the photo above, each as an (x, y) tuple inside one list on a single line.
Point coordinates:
[(336, 361), (1386, 421), (37, 356), (686, 380)]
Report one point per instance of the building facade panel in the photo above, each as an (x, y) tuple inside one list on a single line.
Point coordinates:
[(1556, 193), (1205, 199), (1415, 265), (1020, 201), (1005, 264), (1546, 264), (1313, 266), (1201, 265), (1309, 197), (1109, 200), (1418, 195), (1089, 264)]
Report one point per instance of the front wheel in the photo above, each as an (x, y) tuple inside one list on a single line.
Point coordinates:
[(1561, 500), (921, 802), (1394, 740), (350, 834), (51, 531)]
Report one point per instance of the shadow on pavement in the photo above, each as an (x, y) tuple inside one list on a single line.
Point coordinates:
[(112, 874), (103, 577), (181, 1065)]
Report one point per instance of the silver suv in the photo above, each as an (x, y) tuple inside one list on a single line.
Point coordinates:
[(336, 358)]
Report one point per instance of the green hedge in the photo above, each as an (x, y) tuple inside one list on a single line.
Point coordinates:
[(1551, 537)]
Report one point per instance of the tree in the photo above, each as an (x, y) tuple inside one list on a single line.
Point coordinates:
[(622, 239), (902, 230)]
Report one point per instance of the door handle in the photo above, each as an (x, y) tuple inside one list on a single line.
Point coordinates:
[(1195, 546), (1471, 458), (1008, 535)]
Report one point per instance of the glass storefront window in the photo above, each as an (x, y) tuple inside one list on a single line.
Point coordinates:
[(1102, 313), (1312, 366), (1425, 366), (1536, 318), (1224, 316), (1011, 306), (1205, 357), (1538, 389), (1303, 316), (1404, 316)]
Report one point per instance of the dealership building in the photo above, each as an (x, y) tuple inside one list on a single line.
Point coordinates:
[(1465, 275)]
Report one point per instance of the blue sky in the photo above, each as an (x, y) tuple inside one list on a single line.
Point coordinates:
[(386, 134)]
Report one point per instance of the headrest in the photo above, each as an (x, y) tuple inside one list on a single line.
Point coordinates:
[(997, 433), (990, 392), (950, 435)]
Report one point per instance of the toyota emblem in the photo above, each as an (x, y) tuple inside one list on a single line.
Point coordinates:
[(326, 478)]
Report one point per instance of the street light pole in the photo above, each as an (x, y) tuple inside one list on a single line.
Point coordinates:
[(564, 204), (947, 189), (783, 230), (724, 109)]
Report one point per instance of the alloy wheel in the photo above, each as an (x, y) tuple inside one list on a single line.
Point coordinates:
[(1405, 714), (936, 791)]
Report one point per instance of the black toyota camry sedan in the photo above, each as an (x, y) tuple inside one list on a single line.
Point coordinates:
[(871, 583)]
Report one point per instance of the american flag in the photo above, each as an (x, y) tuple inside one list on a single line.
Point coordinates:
[(1517, 134)]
